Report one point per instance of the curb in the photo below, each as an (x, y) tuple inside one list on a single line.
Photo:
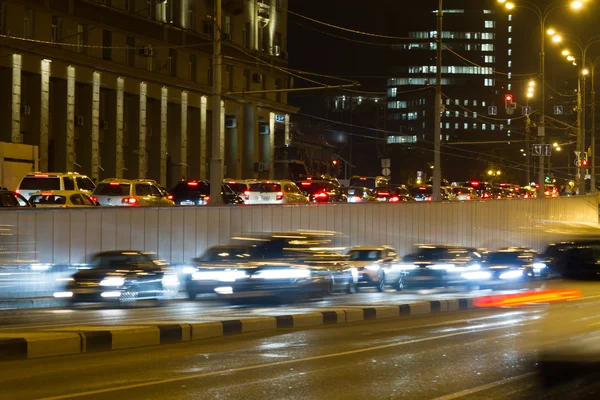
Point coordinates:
[(89, 339)]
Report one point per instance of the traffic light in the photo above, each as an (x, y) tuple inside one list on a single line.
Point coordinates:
[(583, 159), (509, 103), (335, 162)]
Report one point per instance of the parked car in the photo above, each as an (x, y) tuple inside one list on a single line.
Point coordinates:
[(125, 192), (322, 192), (357, 194), (197, 193), (274, 192), (439, 265), (123, 276), (465, 193), (9, 198), (43, 181), (62, 199), (377, 266)]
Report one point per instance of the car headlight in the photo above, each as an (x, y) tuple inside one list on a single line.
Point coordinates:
[(538, 266), (170, 280), (221, 276), (187, 270), (112, 281), (477, 275), (443, 266), (373, 267), (407, 267), (292, 273), (515, 274), (472, 267)]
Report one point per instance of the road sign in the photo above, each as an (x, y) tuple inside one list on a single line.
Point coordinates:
[(541, 150), (558, 110), (386, 171), (385, 163), (541, 131), (526, 110), (492, 110)]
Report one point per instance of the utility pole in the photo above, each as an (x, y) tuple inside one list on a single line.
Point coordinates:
[(527, 149), (437, 168), (542, 125), (580, 142), (593, 134), (216, 162)]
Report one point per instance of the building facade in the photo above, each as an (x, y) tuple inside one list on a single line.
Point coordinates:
[(477, 73), (122, 88)]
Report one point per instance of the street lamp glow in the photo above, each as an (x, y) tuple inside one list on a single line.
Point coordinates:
[(490, 172), (566, 52), (498, 173), (501, 1), (551, 32), (555, 144), (576, 5), (529, 90), (585, 71), (531, 84), (570, 58), (529, 95), (558, 148), (557, 38), (509, 6), (521, 150)]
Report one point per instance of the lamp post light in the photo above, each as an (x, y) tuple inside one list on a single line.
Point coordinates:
[(542, 15)]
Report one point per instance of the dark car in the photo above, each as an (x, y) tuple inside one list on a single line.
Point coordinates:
[(556, 256), (393, 194), (322, 192), (513, 264), (9, 198), (197, 193), (434, 266), (581, 261), (421, 193), (122, 276)]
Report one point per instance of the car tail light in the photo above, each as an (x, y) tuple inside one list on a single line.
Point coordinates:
[(129, 200), (469, 197), (94, 199), (305, 183), (395, 199), (547, 192), (279, 196), (486, 195), (384, 194), (192, 183), (526, 196), (231, 182), (322, 196), (428, 198), (41, 176), (206, 198), (46, 193), (247, 195), (170, 197), (18, 191), (114, 184)]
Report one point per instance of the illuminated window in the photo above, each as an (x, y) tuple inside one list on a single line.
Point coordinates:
[(493, 127), (456, 125), (509, 29), (447, 125), (509, 40), (487, 36), (483, 127), (487, 47), (488, 82), (510, 17), (508, 122), (489, 59), (447, 102), (510, 86), (490, 24), (475, 103), (456, 114), (475, 115), (466, 114), (509, 64), (509, 75), (510, 52), (501, 127), (466, 102), (465, 126), (447, 113), (474, 125), (483, 104), (392, 92)]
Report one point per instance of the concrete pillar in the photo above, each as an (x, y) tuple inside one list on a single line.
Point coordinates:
[(70, 131), (83, 131), (44, 113), (231, 151), (58, 125), (183, 143), (108, 133), (203, 101), (164, 98), (142, 156), (250, 141), (119, 162), (95, 125), (271, 145), (287, 139), (15, 131)]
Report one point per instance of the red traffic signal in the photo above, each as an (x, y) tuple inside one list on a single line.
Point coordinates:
[(335, 162), (508, 98)]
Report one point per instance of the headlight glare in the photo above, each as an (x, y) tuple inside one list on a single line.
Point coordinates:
[(112, 281)]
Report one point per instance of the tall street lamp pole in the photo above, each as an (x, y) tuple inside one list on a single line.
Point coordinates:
[(437, 168), (594, 64), (216, 161)]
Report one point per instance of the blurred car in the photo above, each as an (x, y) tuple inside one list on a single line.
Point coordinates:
[(274, 192), (580, 261), (391, 194), (556, 257), (9, 198), (360, 195), (125, 192), (322, 192), (121, 276), (38, 181), (514, 264), (483, 189), (370, 182), (197, 193), (440, 265), (62, 199), (377, 266), (551, 191), (425, 193), (464, 193)]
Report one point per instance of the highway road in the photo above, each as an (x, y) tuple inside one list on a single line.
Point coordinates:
[(475, 354)]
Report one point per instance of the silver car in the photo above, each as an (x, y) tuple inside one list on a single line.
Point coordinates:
[(136, 192)]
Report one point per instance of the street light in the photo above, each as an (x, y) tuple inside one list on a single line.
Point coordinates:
[(566, 52), (557, 38), (542, 15)]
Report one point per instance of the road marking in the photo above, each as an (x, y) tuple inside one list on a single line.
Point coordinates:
[(485, 387), (267, 365)]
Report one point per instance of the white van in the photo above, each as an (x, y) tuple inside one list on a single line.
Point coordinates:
[(44, 181)]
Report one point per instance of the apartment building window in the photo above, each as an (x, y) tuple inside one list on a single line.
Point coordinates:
[(246, 35), (172, 63), (207, 28), (209, 74), (277, 44), (229, 77), (56, 29), (150, 59), (490, 24), (278, 95), (82, 36), (264, 85), (226, 27), (106, 45), (193, 67), (130, 51), (246, 80), (28, 24)]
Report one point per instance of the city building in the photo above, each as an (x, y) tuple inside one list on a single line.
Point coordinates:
[(122, 88), (478, 65)]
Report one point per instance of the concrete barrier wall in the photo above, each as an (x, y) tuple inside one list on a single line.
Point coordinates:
[(177, 234)]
